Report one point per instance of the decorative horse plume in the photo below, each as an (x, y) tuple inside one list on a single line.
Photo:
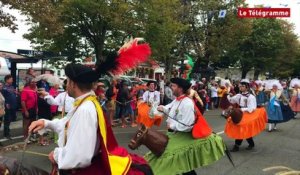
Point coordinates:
[(128, 56)]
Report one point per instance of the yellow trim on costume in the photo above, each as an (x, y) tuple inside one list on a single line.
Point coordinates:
[(118, 165)]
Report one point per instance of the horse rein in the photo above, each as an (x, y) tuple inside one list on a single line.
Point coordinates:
[(23, 152), (178, 120), (139, 134)]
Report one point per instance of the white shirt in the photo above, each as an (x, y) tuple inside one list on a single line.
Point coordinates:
[(59, 101), (169, 93), (247, 103), (185, 114), (162, 86), (151, 97), (214, 92), (82, 143)]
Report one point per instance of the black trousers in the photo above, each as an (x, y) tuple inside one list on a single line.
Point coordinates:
[(250, 141), (7, 121)]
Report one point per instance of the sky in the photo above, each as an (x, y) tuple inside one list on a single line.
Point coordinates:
[(12, 41)]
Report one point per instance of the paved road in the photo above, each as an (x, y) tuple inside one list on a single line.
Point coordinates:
[(273, 150)]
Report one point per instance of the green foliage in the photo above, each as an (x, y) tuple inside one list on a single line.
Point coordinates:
[(79, 28)]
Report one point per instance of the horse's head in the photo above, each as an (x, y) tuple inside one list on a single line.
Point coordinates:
[(137, 140), (236, 114)]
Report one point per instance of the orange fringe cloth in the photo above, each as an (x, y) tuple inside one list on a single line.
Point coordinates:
[(295, 104), (250, 125), (143, 116)]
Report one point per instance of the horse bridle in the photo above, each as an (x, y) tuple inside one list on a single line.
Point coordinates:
[(140, 133)]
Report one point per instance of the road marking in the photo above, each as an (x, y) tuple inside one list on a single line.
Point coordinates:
[(35, 153), (17, 137), (221, 132), (282, 170)]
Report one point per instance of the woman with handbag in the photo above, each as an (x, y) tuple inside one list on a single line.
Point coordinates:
[(183, 153)]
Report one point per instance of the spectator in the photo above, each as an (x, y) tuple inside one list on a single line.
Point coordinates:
[(44, 112), (30, 74), (169, 97), (214, 95), (29, 105), (123, 103), (54, 92), (2, 106), (111, 95), (9, 93), (162, 88)]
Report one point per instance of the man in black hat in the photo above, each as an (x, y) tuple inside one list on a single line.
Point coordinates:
[(81, 127), (181, 116), (151, 96)]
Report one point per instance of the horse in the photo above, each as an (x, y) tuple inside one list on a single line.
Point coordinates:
[(155, 141), (236, 115), (10, 166)]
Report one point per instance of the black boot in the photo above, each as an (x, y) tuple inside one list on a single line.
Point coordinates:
[(193, 172), (235, 148), (250, 147)]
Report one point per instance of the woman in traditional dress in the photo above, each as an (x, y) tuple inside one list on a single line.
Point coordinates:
[(295, 99), (226, 89), (261, 97), (278, 109)]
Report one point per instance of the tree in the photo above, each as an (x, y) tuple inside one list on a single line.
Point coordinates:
[(69, 26), (210, 38), (7, 20), (163, 29), (287, 60)]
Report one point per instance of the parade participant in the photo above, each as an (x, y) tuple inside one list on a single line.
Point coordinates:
[(225, 90), (295, 99), (193, 94), (147, 109), (183, 153), (151, 96), (101, 154), (253, 119), (62, 100), (279, 110), (286, 92), (261, 97)]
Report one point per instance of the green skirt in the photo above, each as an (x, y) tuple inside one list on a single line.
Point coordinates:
[(184, 153)]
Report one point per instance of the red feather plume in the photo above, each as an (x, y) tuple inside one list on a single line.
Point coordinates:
[(130, 55)]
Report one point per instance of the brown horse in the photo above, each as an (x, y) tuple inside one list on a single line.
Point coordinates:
[(10, 166), (236, 115), (155, 141)]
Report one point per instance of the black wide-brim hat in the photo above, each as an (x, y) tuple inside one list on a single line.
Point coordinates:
[(184, 84), (80, 73), (152, 81)]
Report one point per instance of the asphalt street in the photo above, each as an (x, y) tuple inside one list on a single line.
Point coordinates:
[(275, 152)]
